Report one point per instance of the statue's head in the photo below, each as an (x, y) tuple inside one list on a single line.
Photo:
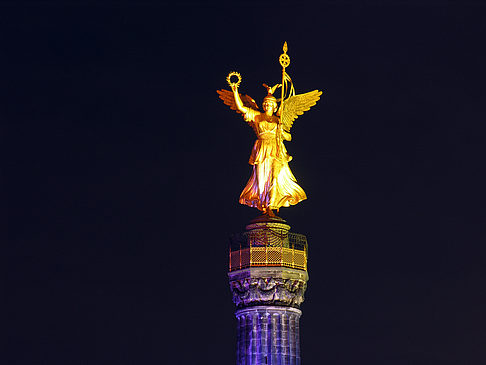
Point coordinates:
[(269, 101)]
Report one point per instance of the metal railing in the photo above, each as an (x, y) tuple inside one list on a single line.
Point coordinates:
[(268, 248)]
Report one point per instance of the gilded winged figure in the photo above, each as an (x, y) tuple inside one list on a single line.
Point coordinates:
[(271, 185)]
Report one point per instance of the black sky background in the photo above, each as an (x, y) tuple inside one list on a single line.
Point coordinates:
[(123, 170)]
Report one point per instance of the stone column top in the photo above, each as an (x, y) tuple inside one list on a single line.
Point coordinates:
[(271, 286)]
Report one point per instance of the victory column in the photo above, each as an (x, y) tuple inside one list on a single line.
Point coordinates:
[(267, 263)]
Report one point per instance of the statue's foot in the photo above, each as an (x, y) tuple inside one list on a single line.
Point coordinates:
[(270, 213), (268, 216)]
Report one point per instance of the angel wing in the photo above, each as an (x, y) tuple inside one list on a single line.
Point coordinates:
[(229, 99), (296, 105)]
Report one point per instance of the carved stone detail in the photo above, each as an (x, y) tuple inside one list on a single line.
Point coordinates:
[(268, 286)]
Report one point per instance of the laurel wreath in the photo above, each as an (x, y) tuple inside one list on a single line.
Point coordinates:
[(235, 84)]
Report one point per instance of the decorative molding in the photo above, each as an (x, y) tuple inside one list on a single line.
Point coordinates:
[(268, 290)]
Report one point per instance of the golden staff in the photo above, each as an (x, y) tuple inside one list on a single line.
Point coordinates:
[(284, 60)]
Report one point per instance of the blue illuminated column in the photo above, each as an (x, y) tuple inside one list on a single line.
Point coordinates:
[(268, 277)]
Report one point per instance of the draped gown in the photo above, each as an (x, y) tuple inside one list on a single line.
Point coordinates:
[(271, 185)]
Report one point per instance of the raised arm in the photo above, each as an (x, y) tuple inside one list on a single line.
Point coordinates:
[(239, 103)]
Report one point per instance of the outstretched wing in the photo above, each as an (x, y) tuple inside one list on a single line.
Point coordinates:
[(229, 99), (296, 105)]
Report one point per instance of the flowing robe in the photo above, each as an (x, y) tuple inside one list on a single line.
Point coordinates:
[(271, 184)]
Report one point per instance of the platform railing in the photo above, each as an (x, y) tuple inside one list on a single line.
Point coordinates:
[(269, 249)]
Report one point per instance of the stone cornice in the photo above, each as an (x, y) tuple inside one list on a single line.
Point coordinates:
[(279, 286)]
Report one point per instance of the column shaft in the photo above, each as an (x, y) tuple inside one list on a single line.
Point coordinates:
[(267, 335)]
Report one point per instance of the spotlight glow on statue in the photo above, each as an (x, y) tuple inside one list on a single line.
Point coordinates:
[(271, 185)]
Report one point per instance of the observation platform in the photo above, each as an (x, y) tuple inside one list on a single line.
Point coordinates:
[(268, 244)]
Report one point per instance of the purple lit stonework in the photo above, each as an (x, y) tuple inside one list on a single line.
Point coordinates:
[(268, 335), (268, 278)]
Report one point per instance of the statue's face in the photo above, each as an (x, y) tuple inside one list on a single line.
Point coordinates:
[(269, 106)]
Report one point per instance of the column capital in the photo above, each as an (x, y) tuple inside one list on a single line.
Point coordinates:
[(279, 286)]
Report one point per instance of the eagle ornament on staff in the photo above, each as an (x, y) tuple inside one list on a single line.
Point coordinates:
[(271, 185)]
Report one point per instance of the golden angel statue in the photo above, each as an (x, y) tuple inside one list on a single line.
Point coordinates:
[(271, 185)]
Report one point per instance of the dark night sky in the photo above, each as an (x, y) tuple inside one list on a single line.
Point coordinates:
[(123, 170)]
